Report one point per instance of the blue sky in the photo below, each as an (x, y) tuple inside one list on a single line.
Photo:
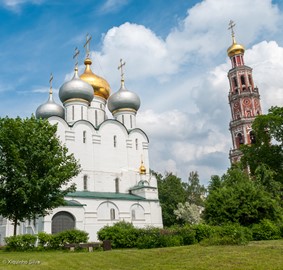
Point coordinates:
[(176, 61)]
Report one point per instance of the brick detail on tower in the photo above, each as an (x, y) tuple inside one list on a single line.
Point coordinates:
[(244, 100)]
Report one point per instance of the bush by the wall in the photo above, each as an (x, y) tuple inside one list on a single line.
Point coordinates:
[(20, 242), (187, 234), (121, 234), (266, 230), (203, 231)]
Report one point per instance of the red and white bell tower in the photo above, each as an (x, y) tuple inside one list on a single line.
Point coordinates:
[(244, 99)]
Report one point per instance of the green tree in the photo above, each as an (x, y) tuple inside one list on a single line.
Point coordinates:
[(34, 169), (268, 143), (238, 199), (171, 192), (195, 191)]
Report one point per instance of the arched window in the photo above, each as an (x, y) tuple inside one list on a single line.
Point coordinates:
[(62, 221), (239, 139), (112, 214), (115, 141), (117, 185), (84, 136), (85, 182), (252, 137), (137, 144)]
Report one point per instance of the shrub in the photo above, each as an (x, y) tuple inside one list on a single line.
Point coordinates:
[(121, 234), (188, 234), (20, 242), (266, 230), (203, 231), (232, 234), (44, 239)]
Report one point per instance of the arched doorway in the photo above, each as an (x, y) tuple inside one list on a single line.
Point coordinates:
[(63, 221)]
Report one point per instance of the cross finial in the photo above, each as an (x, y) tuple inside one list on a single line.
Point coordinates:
[(121, 67), (50, 82), (231, 27), (86, 46), (76, 55)]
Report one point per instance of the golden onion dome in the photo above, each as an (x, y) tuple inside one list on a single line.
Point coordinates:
[(142, 169), (100, 86), (235, 48)]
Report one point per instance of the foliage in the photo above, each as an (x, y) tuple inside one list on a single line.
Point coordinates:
[(194, 190), (238, 199), (45, 240), (188, 212), (20, 242), (267, 149), (202, 231), (171, 192), (122, 234), (266, 230), (232, 234), (34, 169)]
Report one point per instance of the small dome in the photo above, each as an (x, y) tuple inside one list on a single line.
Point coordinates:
[(76, 89), (123, 99), (235, 48), (142, 169), (100, 86), (49, 108)]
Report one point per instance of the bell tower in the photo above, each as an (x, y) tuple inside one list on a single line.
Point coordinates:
[(244, 99)]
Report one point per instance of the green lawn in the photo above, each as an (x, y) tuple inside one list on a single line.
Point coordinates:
[(263, 255)]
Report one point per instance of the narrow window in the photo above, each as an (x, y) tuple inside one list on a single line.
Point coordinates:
[(85, 182), (133, 214), (243, 82), (252, 137), (112, 214), (131, 121), (250, 80), (240, 139), (82, 112), (115, 141), (96, 118), (73, 112), (117, 185), (84, 136), (137, 144), (123, 119)]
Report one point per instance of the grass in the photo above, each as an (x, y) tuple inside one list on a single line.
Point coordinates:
[(263, 255)]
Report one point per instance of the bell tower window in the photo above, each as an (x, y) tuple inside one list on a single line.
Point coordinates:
[(115, 141), (84, 136), (85, 182)]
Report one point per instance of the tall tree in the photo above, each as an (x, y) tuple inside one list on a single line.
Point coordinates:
[(267, 148), (35, 169), (171, 192), (195, 191), (238, 199)]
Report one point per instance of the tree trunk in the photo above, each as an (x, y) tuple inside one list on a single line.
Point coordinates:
[(15, 226)]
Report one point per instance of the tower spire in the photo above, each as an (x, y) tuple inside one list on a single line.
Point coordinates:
[(76, 56), (121, 68), (86, 46), (50, 83), (231, 27)]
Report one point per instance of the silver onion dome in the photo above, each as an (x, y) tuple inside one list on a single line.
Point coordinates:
[(76, 89), (123, 99), (49, 108)]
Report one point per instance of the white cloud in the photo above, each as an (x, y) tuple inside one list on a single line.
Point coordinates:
[(15, 5), (113, 5)]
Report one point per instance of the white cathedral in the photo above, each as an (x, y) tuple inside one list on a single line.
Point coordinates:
[(115, 183)]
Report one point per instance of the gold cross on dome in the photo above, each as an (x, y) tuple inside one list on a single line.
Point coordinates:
[(76, 55), (231, 27), (121, 67), (86, 46), (50, 82)]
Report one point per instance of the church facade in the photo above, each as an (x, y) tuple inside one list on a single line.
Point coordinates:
[(114, 183)]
